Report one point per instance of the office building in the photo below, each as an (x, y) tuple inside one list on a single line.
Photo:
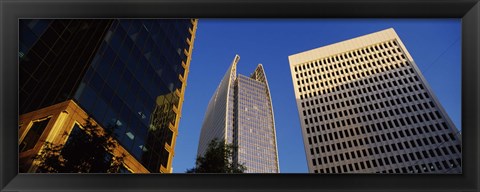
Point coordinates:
[(129, 74), (240, 112), (365, 107)]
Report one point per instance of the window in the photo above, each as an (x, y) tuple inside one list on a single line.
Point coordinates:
[(33, 134)]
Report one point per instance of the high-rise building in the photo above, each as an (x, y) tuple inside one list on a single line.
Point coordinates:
[(365, 107), (129, 74), (240, 112)]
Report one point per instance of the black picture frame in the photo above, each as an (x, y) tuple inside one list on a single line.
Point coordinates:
[(467, 10)]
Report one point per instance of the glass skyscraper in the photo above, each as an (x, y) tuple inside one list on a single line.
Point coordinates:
[(129, 74), (365, 107), (240, 112)]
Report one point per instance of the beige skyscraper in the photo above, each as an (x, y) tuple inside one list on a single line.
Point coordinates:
[(365, 107)]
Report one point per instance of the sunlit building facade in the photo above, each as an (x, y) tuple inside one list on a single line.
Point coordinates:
[(240, 112), (365, 107), (126, 74), (50, 124)]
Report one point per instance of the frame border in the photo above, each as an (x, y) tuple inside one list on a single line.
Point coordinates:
[(11, 11)]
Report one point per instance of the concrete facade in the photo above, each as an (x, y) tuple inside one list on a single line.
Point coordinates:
[(365, 107)]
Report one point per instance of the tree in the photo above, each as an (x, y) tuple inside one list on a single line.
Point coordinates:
[(87, 150), (218, 159)]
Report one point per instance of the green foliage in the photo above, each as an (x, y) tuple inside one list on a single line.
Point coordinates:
[(218, 159), (86, 151)]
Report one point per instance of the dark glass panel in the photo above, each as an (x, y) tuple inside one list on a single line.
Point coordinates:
[(100, 108), (119, 131), (102, 48), (130, 99), (125, 50), (147, 78), (134, 121), (142, 35), (128, 138), (58, 26), (97, 59), (109, 120), (117, 39), (148, 23), (142, 132), (88, 98), (26, 36), (22, 50), (50, 37), (104, 66), (115, 73), (107, 93), (82, 43), (96, 82), (138, 108), (126, 116), (42, 70), (134, 31), (168, 136), (50, 59), (159, 37), (79, 91), (158, 145), (148, 45), (153, 164), (125, 23), (164, 157), (23, 79), (138, 147), (145, 97), (133, 60), (117, 103), (30, 63), (123, 85), (30, 85), (59, 46), (40, 26)]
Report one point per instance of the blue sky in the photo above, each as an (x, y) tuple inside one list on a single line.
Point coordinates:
[(435, 45)]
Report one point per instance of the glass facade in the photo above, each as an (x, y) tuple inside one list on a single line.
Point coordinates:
[(218, 120), (240, 112), (131, 79), (253, 122), (53, 56)]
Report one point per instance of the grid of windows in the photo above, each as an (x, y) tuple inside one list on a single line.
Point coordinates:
[(240, 112), (253, 124), (128, 74), (132, 84), (218, 120), (53, 57), (368, 110)]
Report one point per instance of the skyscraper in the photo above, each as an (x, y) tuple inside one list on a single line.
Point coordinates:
[(365, 107), (240, 112), (126, 73)]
